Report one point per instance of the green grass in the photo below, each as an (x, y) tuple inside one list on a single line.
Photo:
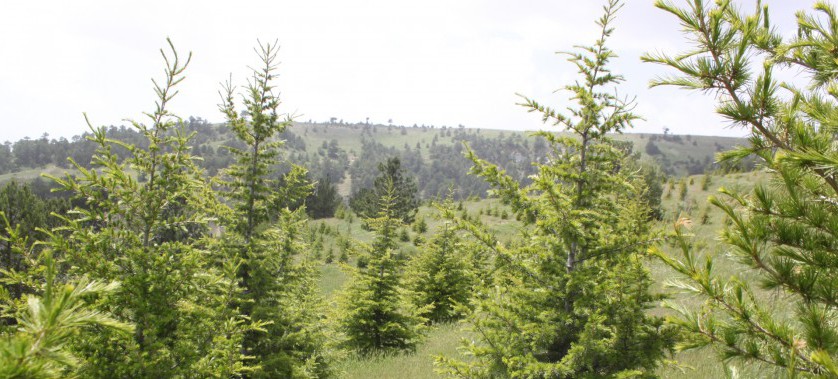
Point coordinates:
[(33, 173), (342, 228), (332, 279), (441, 340)]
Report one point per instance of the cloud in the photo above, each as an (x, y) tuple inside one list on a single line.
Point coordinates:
[(432, 62)]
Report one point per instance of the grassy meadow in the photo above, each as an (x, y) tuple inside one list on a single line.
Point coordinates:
[(33, 173)]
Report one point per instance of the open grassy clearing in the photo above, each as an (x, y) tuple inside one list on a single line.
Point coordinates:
[(441, 340), (33, 173)]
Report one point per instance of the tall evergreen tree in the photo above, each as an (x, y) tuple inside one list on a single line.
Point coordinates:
[(784, 234), (570, 298), (277, 281), (131, 232), (376, 316)]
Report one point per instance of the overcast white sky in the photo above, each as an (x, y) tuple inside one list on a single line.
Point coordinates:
[(437, 62)]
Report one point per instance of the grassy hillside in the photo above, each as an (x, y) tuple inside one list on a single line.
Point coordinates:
[(308, 145), (32, 173), (677, 152)]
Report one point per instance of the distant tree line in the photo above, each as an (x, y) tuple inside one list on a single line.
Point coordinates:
[(438, 166)]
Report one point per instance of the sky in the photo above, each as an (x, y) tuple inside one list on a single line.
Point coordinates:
[(432, 62)]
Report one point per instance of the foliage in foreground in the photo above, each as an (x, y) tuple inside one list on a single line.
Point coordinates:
[(146, 232), (784, 235), (570, 299), (38, 349), (41, 315), (264, 240)]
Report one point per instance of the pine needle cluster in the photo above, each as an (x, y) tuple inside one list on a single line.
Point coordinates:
[(778, 311)]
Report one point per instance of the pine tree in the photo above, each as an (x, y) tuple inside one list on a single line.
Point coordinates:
[(440, 278), (570, 297), (23, 213), (778, 310), (278, 283), (324, 200), (148, 237), (366, 202), (38, 346), (376, 316), (420, 226)]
